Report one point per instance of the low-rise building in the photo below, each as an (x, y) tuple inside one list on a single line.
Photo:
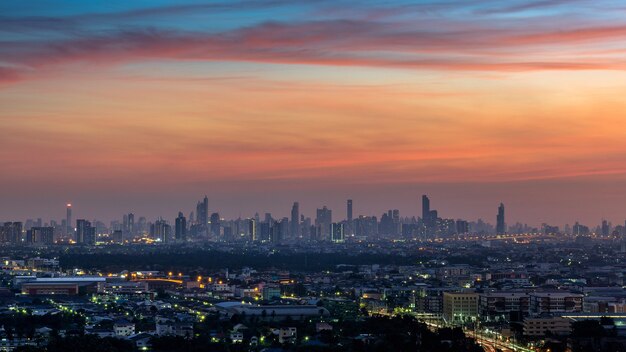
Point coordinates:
[(460, 306)]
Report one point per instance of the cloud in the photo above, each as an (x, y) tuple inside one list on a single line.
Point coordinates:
[(8, 75), (333, 43)]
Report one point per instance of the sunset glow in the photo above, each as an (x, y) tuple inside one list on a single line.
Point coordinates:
[(266, 102)]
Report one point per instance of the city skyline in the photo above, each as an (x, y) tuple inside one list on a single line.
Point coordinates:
[(118, 106), (427, 213)]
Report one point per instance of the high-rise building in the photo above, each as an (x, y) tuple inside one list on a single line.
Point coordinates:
[(202, 212), (11, 232), (337, 232), (323, 221), (131, 224), (462, 226), (500, 224), (68, 219), (128, 224), (215, 225), (349, 210), (425, 208), (181, 227), (252, 229), (40, 235), (606, 228), (161, 231), (295, 220), (85, 233)]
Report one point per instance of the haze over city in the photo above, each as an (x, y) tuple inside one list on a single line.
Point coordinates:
[(146, 106)]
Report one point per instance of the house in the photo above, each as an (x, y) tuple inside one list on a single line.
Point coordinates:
[(323, 327), (123, 328), (236, 337), (174, 328), (287, 335), (141, 340)]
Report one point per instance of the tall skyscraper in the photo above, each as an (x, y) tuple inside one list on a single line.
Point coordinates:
[(252, 229), (181, 227), (323, 220), (500, 224), (131, 224), (215, 225), (68, 220), (425, 208), (295, 220), (202, 212), (349, 210)]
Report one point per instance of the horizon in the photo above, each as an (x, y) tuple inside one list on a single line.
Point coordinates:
[(339, 215)]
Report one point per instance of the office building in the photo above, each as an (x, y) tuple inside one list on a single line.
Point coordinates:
[(500, 224), (68, 220), (460, 306), (295, 221), (180, 227), (323, 220), (85, 233), (337, 232)]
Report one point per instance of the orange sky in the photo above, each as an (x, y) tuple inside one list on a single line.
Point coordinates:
[(151, 121)]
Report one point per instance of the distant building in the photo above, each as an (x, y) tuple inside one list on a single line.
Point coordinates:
[(68, 220), (11, 232), (500, 224), (161, 231), (462, 226), (294, 228), (252, 229), (215, 225), (349, 210), (337, 232), (40, 235), (202, 213), (180, 227), (85, 233), (323, 222)]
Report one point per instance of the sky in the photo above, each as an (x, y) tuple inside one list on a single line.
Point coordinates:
[(146, 106)]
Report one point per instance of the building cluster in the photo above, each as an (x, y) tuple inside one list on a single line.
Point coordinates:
[(513, 292), (201, 225)]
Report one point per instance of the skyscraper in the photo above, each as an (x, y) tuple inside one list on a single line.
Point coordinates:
[(11, 232), (202, 212), (215, 225), (85, 233), (323, 220), (161, 231), (500, 225), (337, 232), (252, 229), (40, 235), (68, 220), (181, 227), (349, 210), (295, 220), (425, 208)]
